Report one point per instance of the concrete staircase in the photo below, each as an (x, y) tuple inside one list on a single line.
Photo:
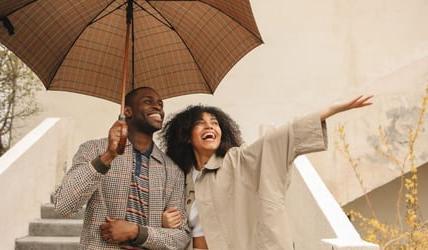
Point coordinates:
[(52, 231)]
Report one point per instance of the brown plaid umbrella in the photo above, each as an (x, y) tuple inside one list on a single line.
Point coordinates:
[(176, 47)]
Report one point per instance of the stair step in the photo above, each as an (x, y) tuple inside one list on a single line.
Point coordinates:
[(48, 212), (47, 243), (55, 227)]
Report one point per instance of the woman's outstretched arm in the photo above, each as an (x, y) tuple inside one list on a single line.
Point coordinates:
[(358, 102)]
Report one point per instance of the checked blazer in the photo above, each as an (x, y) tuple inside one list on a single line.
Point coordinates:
[(107, 195)]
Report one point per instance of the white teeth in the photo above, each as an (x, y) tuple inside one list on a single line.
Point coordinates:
[(156, 116), (209, 135)]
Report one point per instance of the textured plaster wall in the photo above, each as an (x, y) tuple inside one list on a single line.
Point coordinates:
[(384, 200), (315, 53)]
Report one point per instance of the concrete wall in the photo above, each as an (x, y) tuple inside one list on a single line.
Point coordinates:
[(30, 170), (28, 174), (384, 200), (316, 220), (315, 53)]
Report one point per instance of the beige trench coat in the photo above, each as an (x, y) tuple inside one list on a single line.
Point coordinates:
[(241, 197)]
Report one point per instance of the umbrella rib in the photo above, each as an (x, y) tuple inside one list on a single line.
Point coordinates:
[(23, 6), (74, 42), (212, 6), (144, 9), (188, 49), (101, 17)]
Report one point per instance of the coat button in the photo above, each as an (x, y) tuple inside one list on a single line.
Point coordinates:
[(189, 201)]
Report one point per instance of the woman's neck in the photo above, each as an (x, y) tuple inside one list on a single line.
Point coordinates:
[(201, 159)]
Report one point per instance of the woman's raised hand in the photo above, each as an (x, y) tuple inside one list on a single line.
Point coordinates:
[(358, 102)]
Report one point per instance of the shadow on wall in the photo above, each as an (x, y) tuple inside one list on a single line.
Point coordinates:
[(384, 199)]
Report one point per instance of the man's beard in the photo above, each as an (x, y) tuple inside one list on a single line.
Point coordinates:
[(144, 126)]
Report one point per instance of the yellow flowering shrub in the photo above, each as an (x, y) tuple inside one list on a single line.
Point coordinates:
[(410, 232)]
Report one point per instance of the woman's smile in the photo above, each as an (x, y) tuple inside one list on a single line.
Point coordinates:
[(206, 134)]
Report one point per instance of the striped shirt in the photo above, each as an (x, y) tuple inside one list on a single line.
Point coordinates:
[(138, 199)]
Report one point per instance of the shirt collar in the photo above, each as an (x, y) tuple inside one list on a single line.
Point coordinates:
[(157, 154), (214, 162)]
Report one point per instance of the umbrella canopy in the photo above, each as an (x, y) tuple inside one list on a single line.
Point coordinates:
[(176, 47)]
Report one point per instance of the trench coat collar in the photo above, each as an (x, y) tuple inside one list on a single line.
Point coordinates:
[(214, 162)]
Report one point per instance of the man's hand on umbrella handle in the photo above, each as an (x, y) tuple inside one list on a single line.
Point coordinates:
[(116, 132), (358, 102), (123, 136)]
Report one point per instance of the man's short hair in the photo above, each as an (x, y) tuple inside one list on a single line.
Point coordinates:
[(130, 96)]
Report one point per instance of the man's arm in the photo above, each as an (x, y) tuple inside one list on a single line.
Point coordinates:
[(79, 183), (166, 238), (121, 231), (86, 172)]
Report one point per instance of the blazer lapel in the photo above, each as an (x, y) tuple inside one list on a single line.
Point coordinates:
[(157, 178), (121, 173)]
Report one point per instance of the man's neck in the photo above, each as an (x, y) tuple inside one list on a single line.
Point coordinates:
[(141, 141)]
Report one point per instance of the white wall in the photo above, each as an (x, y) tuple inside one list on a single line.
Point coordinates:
[(315, 53), (384, 200), (28, 174), (316, 220)]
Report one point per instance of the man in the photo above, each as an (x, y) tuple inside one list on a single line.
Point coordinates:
[(126, 194)]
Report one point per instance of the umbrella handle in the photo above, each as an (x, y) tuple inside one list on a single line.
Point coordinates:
[(129, 16), (122, 141)]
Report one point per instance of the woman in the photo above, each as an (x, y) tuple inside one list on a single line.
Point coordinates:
[(236, 194)]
